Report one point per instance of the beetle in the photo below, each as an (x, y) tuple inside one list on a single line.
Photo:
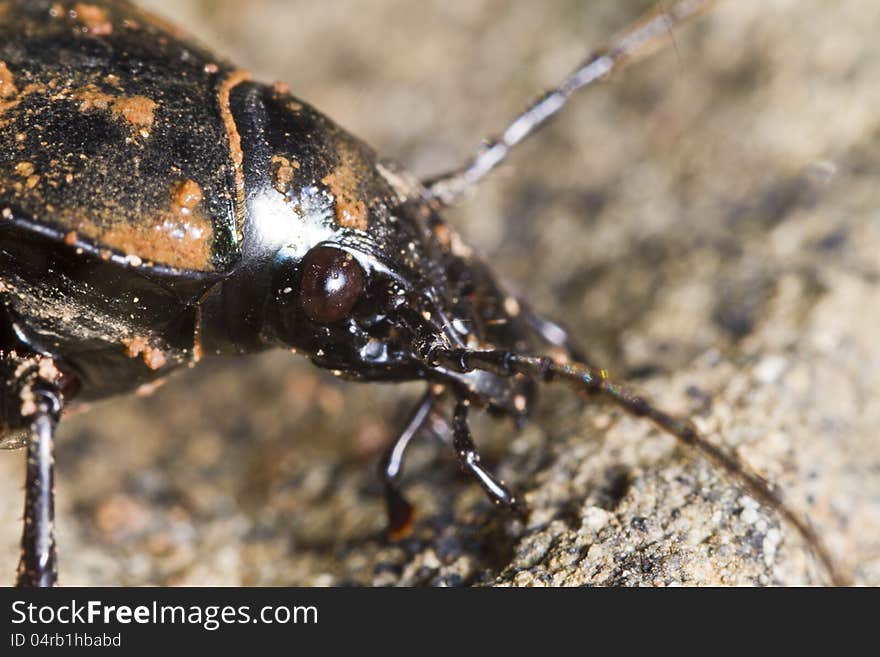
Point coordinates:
[(159, 206)]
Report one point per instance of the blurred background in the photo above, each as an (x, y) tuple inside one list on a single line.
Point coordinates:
[(706, 223)]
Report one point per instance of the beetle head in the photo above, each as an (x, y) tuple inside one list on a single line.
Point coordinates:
[(370, 306), (364, 276)]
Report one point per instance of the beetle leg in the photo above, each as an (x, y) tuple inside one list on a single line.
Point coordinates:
[(400, 511), (38, 565), (469, 460)]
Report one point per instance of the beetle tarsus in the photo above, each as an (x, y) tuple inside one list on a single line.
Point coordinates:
[(401, 513), (469, 460), (38, 564)]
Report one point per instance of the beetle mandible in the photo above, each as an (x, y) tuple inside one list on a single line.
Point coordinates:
[(160, 206)]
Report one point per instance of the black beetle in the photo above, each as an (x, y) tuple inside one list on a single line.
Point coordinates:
[(159, 206)]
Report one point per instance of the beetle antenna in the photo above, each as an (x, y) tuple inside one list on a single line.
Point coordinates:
[(592, 381), (634, 43)]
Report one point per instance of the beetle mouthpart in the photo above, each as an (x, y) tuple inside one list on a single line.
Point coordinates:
[(427, 336)]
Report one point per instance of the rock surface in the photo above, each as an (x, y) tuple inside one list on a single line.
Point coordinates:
[(706, 223)]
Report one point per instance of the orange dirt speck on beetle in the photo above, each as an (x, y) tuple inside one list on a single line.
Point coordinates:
[(187, 195), (139, 346), (93, 18), (351, 212), (139, 111), (169, 238), (91, 98), (8, 89), (155, 358), (282, 171), (135, 346)]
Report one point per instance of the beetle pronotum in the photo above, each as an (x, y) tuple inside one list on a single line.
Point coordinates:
[(452, 360)]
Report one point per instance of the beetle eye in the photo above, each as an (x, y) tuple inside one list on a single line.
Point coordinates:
[(332, 282)]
